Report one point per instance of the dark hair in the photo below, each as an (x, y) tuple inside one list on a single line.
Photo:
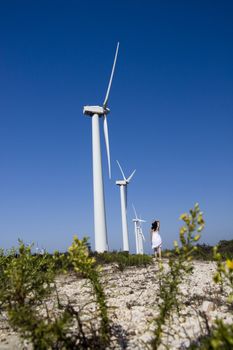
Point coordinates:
[(154, 225)]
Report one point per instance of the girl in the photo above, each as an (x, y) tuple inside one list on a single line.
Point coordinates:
[(156, 240)]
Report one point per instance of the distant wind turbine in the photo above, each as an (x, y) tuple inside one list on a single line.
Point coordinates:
[(96, 112), (123, 193), (139, 237)]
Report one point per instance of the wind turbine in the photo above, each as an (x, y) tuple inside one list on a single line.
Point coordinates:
[(97, 112), (123, 193), (139, 237)]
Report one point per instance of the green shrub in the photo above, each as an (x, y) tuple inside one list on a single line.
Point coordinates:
[(224, 273), (205, 251), (225, 248), (84, 263), (123, 259), (27, 280)]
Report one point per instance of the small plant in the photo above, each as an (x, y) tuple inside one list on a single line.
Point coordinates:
[(25, 279), (224, 273), (84, 263)]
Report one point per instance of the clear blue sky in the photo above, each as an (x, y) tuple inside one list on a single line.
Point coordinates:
[(171, 116)]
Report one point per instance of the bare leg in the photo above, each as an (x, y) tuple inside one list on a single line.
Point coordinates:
[(159, 253)]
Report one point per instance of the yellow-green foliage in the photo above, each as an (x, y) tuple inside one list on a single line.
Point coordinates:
[(224, 272), (27, 279), (82, 262), (80, 258)]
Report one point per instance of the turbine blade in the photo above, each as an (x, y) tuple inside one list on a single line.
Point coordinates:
[(130, 177), (141, 220), (107, 143), (135, 212), (121, 171), (110, 81)]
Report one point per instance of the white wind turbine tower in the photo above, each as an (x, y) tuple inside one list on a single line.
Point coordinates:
[(123, 192), (139, 237), (97, 112)]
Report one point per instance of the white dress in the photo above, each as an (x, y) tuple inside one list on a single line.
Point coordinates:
[(156, 240)]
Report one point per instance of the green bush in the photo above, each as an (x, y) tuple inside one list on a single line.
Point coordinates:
[(123, 259), (205, 251), (25, 279), (82, 262), (28, 287), (225, 248)]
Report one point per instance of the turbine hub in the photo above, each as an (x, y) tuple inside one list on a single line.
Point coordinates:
[(91, 110)]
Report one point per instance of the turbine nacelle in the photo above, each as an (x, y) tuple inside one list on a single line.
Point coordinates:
[(91, 110), (121, 183)]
